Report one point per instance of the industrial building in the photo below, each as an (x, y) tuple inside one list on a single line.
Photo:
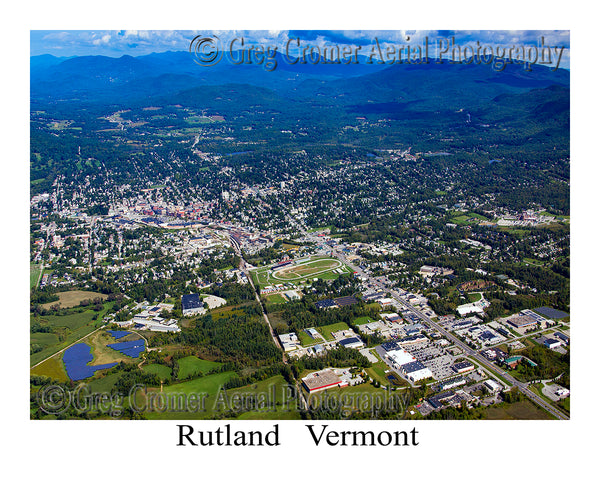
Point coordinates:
[(408, 364), (452, 383), (492, 386), (289, 341), (156, 324), (552, 343), (468, 308), (463, 367), (521, 321), (191, 304), (313, 333), (352, 342), (321, 380)]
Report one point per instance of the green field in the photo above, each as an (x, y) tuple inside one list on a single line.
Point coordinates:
[(191, 366), (274, 299), (209, 384), (474, 297), (523, 410), (306, 340), (334, 327), (43, 339), (269, 394), (162, 371), (207, 387), (104, 384), (358, 398), (35, 272), (363, 320), (72, 321)]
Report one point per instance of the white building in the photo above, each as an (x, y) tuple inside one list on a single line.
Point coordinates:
[(289, 341), (468, 308), (492, 386)]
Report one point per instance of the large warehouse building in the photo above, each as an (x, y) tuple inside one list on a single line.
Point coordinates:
[(408, 365), (321, 380), (191, 304)]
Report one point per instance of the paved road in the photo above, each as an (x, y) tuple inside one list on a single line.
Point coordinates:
[(476, 355)]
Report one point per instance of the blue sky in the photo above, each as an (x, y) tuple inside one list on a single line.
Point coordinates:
[(116, 43)]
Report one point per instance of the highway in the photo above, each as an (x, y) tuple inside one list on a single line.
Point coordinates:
[(508, 379)]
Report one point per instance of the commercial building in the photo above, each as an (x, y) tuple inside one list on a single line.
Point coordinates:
[(408, 364), (452, 383), (522, 321), (552, 343), (463, 367), (352, 342), (321, 380), (468, 308), (416, 371), (313, 333), (156, 324), (492, 386), (191, 304), (289, 341)]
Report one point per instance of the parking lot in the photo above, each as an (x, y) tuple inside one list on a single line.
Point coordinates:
[(434, 358)]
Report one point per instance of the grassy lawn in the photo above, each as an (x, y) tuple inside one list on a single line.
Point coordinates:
[(104, 384), (363, 320), (265, 392), (335, 327), (474, 297), (190, 366), (209, 384), (355, 397), (523, 410), (377, 372), (162, 371), (43, 339), (534, 261), (72, 321), (274, 299), (306, 339)]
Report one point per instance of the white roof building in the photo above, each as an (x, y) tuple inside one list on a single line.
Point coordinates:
[(492, 386), (401, 357)]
